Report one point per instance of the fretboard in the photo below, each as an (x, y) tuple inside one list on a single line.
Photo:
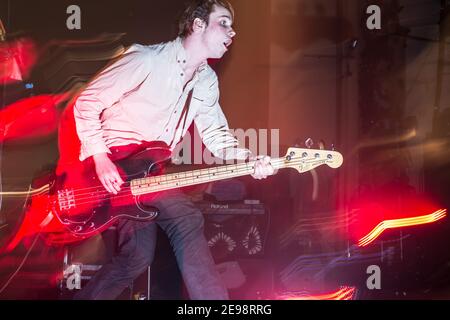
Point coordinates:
[(194, 177), (302, 160)]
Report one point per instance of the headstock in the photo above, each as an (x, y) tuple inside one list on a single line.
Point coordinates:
[(304, 160)]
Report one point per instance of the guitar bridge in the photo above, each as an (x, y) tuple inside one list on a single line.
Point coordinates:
[(66, 199)]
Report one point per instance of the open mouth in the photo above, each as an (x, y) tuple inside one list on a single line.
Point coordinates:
[(227, 43)]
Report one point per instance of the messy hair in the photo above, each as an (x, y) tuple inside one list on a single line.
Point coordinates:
[(199, 9)]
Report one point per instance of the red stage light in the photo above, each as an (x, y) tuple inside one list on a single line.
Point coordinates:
[(344, 293)]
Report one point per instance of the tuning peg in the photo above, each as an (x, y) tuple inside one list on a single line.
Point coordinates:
[(290, 156), (309, 143)]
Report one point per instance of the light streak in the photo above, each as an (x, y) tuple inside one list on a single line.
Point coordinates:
[(399, 223), (344, 293)]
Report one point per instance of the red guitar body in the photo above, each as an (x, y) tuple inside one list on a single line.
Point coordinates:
[(76, 205)]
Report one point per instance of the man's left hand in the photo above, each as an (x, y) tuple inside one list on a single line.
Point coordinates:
[(263, 168)]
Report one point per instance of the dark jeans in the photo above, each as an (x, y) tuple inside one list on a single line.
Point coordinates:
[(183, 224)]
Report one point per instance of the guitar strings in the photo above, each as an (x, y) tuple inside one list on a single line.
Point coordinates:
[(105, 195), (162, 183), (180, 173), (277, 161)]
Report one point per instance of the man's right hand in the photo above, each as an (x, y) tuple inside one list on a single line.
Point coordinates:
[(107, 173)]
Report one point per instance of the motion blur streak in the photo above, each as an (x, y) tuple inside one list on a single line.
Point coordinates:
[(345, 293), (398, 223)]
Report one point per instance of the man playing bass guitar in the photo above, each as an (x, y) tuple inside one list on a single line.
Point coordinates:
[(154, 93)]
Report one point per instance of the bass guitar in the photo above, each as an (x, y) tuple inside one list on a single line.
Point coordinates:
[(74, 205)]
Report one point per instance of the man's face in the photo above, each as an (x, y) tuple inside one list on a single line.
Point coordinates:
[(219, 33)]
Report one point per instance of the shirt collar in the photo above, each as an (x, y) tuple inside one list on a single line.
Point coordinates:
[(181, 57)]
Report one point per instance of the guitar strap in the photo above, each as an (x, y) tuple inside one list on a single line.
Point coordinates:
[(186, 107), (184, 114)]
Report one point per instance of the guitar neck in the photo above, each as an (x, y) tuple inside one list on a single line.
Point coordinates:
[(302, 160), (195, 177)]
